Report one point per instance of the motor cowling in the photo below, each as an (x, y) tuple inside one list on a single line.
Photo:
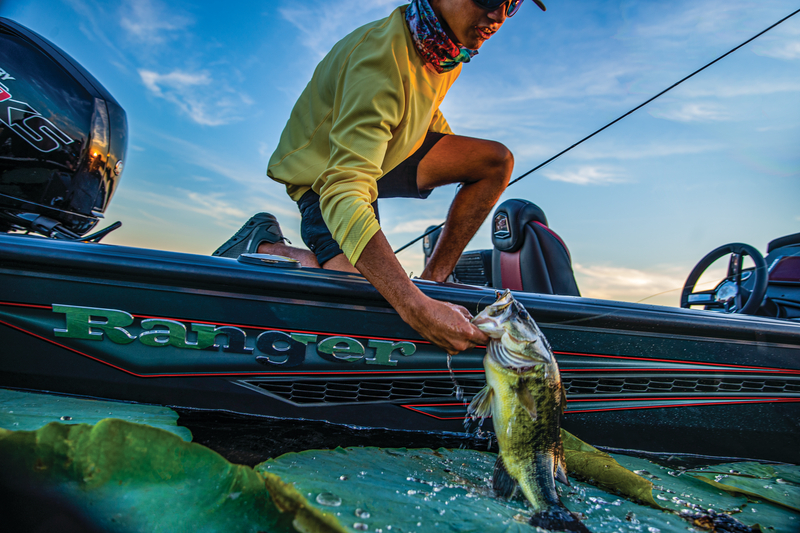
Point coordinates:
[(62, 138)]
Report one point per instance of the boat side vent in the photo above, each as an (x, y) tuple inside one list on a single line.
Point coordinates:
[(683, 384), (307, 392)]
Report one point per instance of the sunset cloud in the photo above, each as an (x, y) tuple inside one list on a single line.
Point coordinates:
[(197, 96), (586, 175)]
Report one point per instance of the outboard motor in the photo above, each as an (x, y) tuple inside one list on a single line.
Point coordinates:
[(528, 255), (62, 139)]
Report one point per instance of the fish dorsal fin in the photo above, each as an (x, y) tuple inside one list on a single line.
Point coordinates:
[(503, 484), (563, 399), (481, 404), (528, 401)]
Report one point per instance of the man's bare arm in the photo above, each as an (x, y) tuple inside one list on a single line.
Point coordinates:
[(444, 324)]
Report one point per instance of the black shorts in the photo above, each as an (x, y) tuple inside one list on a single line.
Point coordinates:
[(400, 182)]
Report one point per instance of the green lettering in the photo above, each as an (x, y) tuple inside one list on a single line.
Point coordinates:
[(206, 335), (340, 350), (305, 338), (173, 335), (384, 350), (91, 323)]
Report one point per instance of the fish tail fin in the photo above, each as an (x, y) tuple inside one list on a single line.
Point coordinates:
[(558, 519), (481, 404), (503, 484)]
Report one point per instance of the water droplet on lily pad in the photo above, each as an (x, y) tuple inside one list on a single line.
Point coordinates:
[(361, 513), (329, 499), (65, 417), (360, 526)]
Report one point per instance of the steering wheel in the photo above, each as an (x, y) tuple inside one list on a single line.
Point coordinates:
[(729, 295)]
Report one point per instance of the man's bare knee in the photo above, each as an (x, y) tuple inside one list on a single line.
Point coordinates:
[(498, 161)]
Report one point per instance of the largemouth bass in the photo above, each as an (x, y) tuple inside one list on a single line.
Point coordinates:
[(523, 394)]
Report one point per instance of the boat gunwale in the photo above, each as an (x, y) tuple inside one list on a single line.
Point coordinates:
[(224, 276)]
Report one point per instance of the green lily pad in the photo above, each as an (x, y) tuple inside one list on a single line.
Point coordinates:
[(123, 477), (678, 490), (29, 411), (126, 477), (389, 490), (421, 491), (773, 483)]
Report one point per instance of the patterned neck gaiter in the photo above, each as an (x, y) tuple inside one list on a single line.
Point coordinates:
[(439, 52)]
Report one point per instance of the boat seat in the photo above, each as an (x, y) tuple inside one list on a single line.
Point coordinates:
[(783, 290), (780, 242), (528, 255)]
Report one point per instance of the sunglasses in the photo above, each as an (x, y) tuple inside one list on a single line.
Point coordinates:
[(491, 5), (513, 5)]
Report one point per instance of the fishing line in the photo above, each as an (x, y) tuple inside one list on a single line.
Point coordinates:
[(534, 169)]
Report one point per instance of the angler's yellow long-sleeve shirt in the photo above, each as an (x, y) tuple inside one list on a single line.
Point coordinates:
[(368, 106)]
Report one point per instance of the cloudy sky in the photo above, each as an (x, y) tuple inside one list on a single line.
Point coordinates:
[(208, 88)]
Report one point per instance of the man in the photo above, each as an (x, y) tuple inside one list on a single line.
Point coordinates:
[(368, 126)]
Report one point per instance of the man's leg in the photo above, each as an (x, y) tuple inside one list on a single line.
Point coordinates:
[(306, 258), (341, 263), (324, 251), (262, 234), (484, 168)]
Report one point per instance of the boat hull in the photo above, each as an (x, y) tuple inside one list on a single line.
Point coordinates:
[(212, 333)]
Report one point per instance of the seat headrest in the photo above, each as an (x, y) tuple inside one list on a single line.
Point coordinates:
[(429, 241), (509, 220)]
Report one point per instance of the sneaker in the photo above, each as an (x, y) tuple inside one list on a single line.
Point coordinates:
[(260, 228)]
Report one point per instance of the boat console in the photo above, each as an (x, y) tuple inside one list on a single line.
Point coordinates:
[(770, 288)]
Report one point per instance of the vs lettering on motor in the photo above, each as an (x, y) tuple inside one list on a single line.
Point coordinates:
[(27, 122), (273, 348)]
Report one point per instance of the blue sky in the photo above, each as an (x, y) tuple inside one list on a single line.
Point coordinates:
[(208, 90)]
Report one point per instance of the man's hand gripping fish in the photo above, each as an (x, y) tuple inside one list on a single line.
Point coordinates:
[(523, 395)]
